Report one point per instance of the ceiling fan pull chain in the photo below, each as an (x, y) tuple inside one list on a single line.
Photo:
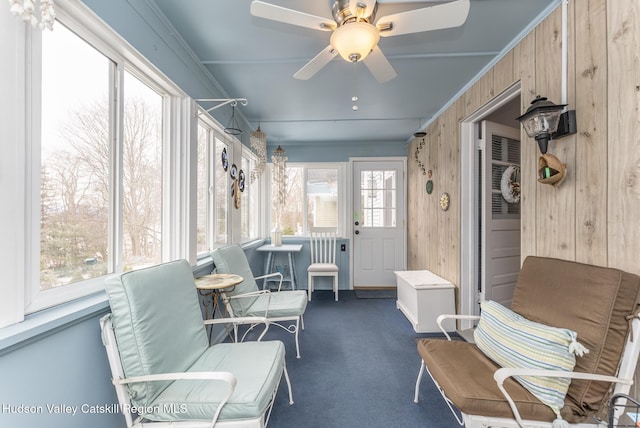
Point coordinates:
[(354, 98)]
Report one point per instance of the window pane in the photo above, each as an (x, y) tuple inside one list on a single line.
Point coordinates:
[(322, 197), (245, 202), (75, 174), (202, 190), (293, 212), (222, 189), (249, 205), (142, 175)]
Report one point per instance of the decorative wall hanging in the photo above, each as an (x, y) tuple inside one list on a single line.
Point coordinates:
[(26, 8), (429, 186), (444, 201), (419, 147), (279, 177), (241, 180), (551, 170), (236, 194), (224, 159), (258, 141), (510, 184)]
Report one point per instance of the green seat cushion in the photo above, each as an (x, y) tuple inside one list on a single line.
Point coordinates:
[(281, 304), (257, 366), (157, 323), (231, 259)]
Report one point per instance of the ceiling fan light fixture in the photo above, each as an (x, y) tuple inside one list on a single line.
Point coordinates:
[(355, 40)]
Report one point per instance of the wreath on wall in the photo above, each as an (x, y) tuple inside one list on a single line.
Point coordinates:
[(510, 184)]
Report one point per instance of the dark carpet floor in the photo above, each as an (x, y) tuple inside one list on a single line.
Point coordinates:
[(358, 369)]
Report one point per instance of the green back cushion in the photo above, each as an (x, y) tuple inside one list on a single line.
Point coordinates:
[(157, 322), (231, 259), (513, 341)]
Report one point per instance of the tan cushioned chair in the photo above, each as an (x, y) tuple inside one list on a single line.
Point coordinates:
[(593, 301)]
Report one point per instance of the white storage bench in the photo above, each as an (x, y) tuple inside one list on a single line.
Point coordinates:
[(422, 297)]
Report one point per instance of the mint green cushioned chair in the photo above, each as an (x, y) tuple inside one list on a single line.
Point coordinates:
[(247, 300), (162, 364)]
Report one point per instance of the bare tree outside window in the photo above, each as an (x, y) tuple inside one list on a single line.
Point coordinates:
[(76, 207), (74, 170)]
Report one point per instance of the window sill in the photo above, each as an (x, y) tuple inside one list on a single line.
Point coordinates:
[(49, 321)]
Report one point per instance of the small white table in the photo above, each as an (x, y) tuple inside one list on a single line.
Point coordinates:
[(270, 261)]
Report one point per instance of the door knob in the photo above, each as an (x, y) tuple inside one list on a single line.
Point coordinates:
[(357, 232), (357, 223)]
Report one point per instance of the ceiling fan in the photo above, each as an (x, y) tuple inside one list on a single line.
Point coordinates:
[(356, 31)]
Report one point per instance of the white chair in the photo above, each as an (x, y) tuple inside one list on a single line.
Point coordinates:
[(323, 257)]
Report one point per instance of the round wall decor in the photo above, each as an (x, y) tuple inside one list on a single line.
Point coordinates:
[(224, 159), (444, 201), (510, 184)]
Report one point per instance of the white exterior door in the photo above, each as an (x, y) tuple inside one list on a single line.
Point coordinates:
[(379, 231), (500, 219)]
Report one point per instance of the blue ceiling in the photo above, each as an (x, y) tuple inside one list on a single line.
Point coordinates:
[(255, 58)]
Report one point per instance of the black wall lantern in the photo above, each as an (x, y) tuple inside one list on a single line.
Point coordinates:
[(545, 121)]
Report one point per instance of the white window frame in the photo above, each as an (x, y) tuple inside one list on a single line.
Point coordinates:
[(341, 167), (178, 145), (255, 213), (216, 131)]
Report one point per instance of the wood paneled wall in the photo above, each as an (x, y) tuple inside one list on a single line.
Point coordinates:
[(594, 215)]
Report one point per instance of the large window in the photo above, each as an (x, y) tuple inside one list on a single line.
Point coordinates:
[(312, 198), (223, 218), (75, 176), (104, 186), (213, 186), (142, 200)]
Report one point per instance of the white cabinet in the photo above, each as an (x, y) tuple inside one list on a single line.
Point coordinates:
[(422, 297)]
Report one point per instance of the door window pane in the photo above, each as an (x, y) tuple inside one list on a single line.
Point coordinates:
[(378, 198), (75, 178)]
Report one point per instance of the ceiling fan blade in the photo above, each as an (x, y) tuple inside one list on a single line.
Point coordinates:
[(362, 8), (445, 15), (290, 16), (379, 65), (316, 64)]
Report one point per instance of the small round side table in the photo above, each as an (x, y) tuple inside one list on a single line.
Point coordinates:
[(209, 287)]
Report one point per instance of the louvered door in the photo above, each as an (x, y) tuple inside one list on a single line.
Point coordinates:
[(500, 230)]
